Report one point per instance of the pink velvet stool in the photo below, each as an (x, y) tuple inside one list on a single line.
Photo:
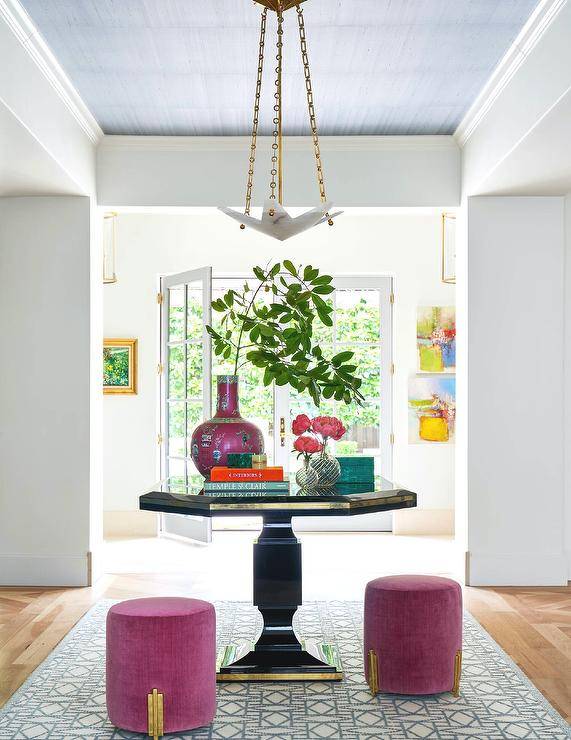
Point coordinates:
[(161, 665), (413, 635)]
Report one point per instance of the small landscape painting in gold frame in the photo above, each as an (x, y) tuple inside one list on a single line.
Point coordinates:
[(120, 366)]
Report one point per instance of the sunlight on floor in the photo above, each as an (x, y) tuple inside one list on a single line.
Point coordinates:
[(336, 565)]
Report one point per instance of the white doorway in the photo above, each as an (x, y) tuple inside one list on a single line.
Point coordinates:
[(362, 323)]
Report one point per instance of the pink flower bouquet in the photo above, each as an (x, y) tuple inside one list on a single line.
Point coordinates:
[(313, 434)]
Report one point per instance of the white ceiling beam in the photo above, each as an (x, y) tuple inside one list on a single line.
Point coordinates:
[(371, 171)]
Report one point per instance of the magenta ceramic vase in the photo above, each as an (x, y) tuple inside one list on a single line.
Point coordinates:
[(227, 432)]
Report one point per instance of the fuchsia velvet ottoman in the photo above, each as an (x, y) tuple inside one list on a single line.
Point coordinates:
[(413, 635), (161, 665)]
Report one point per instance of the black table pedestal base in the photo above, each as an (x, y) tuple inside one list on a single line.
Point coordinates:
[(278, 655), (240, 662)]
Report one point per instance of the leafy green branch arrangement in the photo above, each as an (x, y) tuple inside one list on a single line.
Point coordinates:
[(279, 336)]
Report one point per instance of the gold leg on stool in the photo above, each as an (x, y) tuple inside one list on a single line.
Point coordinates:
[(373, 672), (457, 673), (155, 714)]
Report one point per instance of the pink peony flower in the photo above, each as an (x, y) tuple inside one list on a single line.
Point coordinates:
[(301, 424), (328, 426), (307, 445)]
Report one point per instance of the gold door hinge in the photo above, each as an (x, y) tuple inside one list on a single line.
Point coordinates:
[(160, 298), (160, 439), (392, 368), (392, 438), (160, 368), (392, 297)]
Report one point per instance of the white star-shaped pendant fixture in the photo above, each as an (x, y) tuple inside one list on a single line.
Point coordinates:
[(277, 223)]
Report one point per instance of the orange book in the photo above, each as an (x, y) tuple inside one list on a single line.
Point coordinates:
[(247, 474)]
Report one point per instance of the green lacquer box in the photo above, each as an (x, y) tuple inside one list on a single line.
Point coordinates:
[(239, 460), (357, 469)]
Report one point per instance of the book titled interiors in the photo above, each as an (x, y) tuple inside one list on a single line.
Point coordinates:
[(239, 475)]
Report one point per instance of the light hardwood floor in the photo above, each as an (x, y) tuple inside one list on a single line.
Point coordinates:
[(533, 625)]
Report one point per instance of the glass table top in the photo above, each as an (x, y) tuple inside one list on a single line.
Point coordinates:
[(347, 498)]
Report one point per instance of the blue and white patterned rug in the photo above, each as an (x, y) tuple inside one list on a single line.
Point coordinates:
[(64, 698)]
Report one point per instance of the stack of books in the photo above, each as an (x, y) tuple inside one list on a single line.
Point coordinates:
[(254, 481)]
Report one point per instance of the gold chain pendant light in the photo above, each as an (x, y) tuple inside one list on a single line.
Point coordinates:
[(275, 221)]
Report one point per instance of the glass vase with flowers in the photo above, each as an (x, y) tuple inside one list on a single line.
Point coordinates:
[(319, 430), (306, 446)]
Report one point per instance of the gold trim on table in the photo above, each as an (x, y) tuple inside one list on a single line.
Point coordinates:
[(338, 676), (310, 505), (282, 506)]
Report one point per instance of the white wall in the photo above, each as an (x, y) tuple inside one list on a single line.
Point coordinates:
[(515, 388), (208, 171), (45, 393), (567, 342), (404, 244)]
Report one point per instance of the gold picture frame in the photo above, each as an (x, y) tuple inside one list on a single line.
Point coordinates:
[(449, 248), (120, 366)]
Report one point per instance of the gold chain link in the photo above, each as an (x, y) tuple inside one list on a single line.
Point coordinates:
[(277, 171), (277, 145), (311, 108), (256, 120)]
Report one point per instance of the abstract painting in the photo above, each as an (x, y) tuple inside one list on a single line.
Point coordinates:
[(119, 366), (436, 339), (432, 409)]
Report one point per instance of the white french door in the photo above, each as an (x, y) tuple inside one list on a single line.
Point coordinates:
[(185, 387), (362, 323)]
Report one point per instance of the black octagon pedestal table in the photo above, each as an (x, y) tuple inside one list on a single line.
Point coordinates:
[(278, 654)]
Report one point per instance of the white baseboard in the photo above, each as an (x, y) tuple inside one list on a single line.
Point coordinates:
[(424, 522), (45, 570), (516, 569), (130, 524)]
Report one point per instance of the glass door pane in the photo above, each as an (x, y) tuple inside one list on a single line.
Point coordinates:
[(362, 323), (356, 328), (185, 383), (256, 399)]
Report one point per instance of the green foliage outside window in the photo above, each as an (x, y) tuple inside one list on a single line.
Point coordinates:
[(356, 324), (279, 337)]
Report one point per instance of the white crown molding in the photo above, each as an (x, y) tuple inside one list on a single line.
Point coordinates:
[(21, 25), (292, 143), (528, 38)]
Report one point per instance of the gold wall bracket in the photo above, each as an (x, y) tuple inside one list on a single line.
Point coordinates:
[(457, 673), (155, 712), (373, 672)]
